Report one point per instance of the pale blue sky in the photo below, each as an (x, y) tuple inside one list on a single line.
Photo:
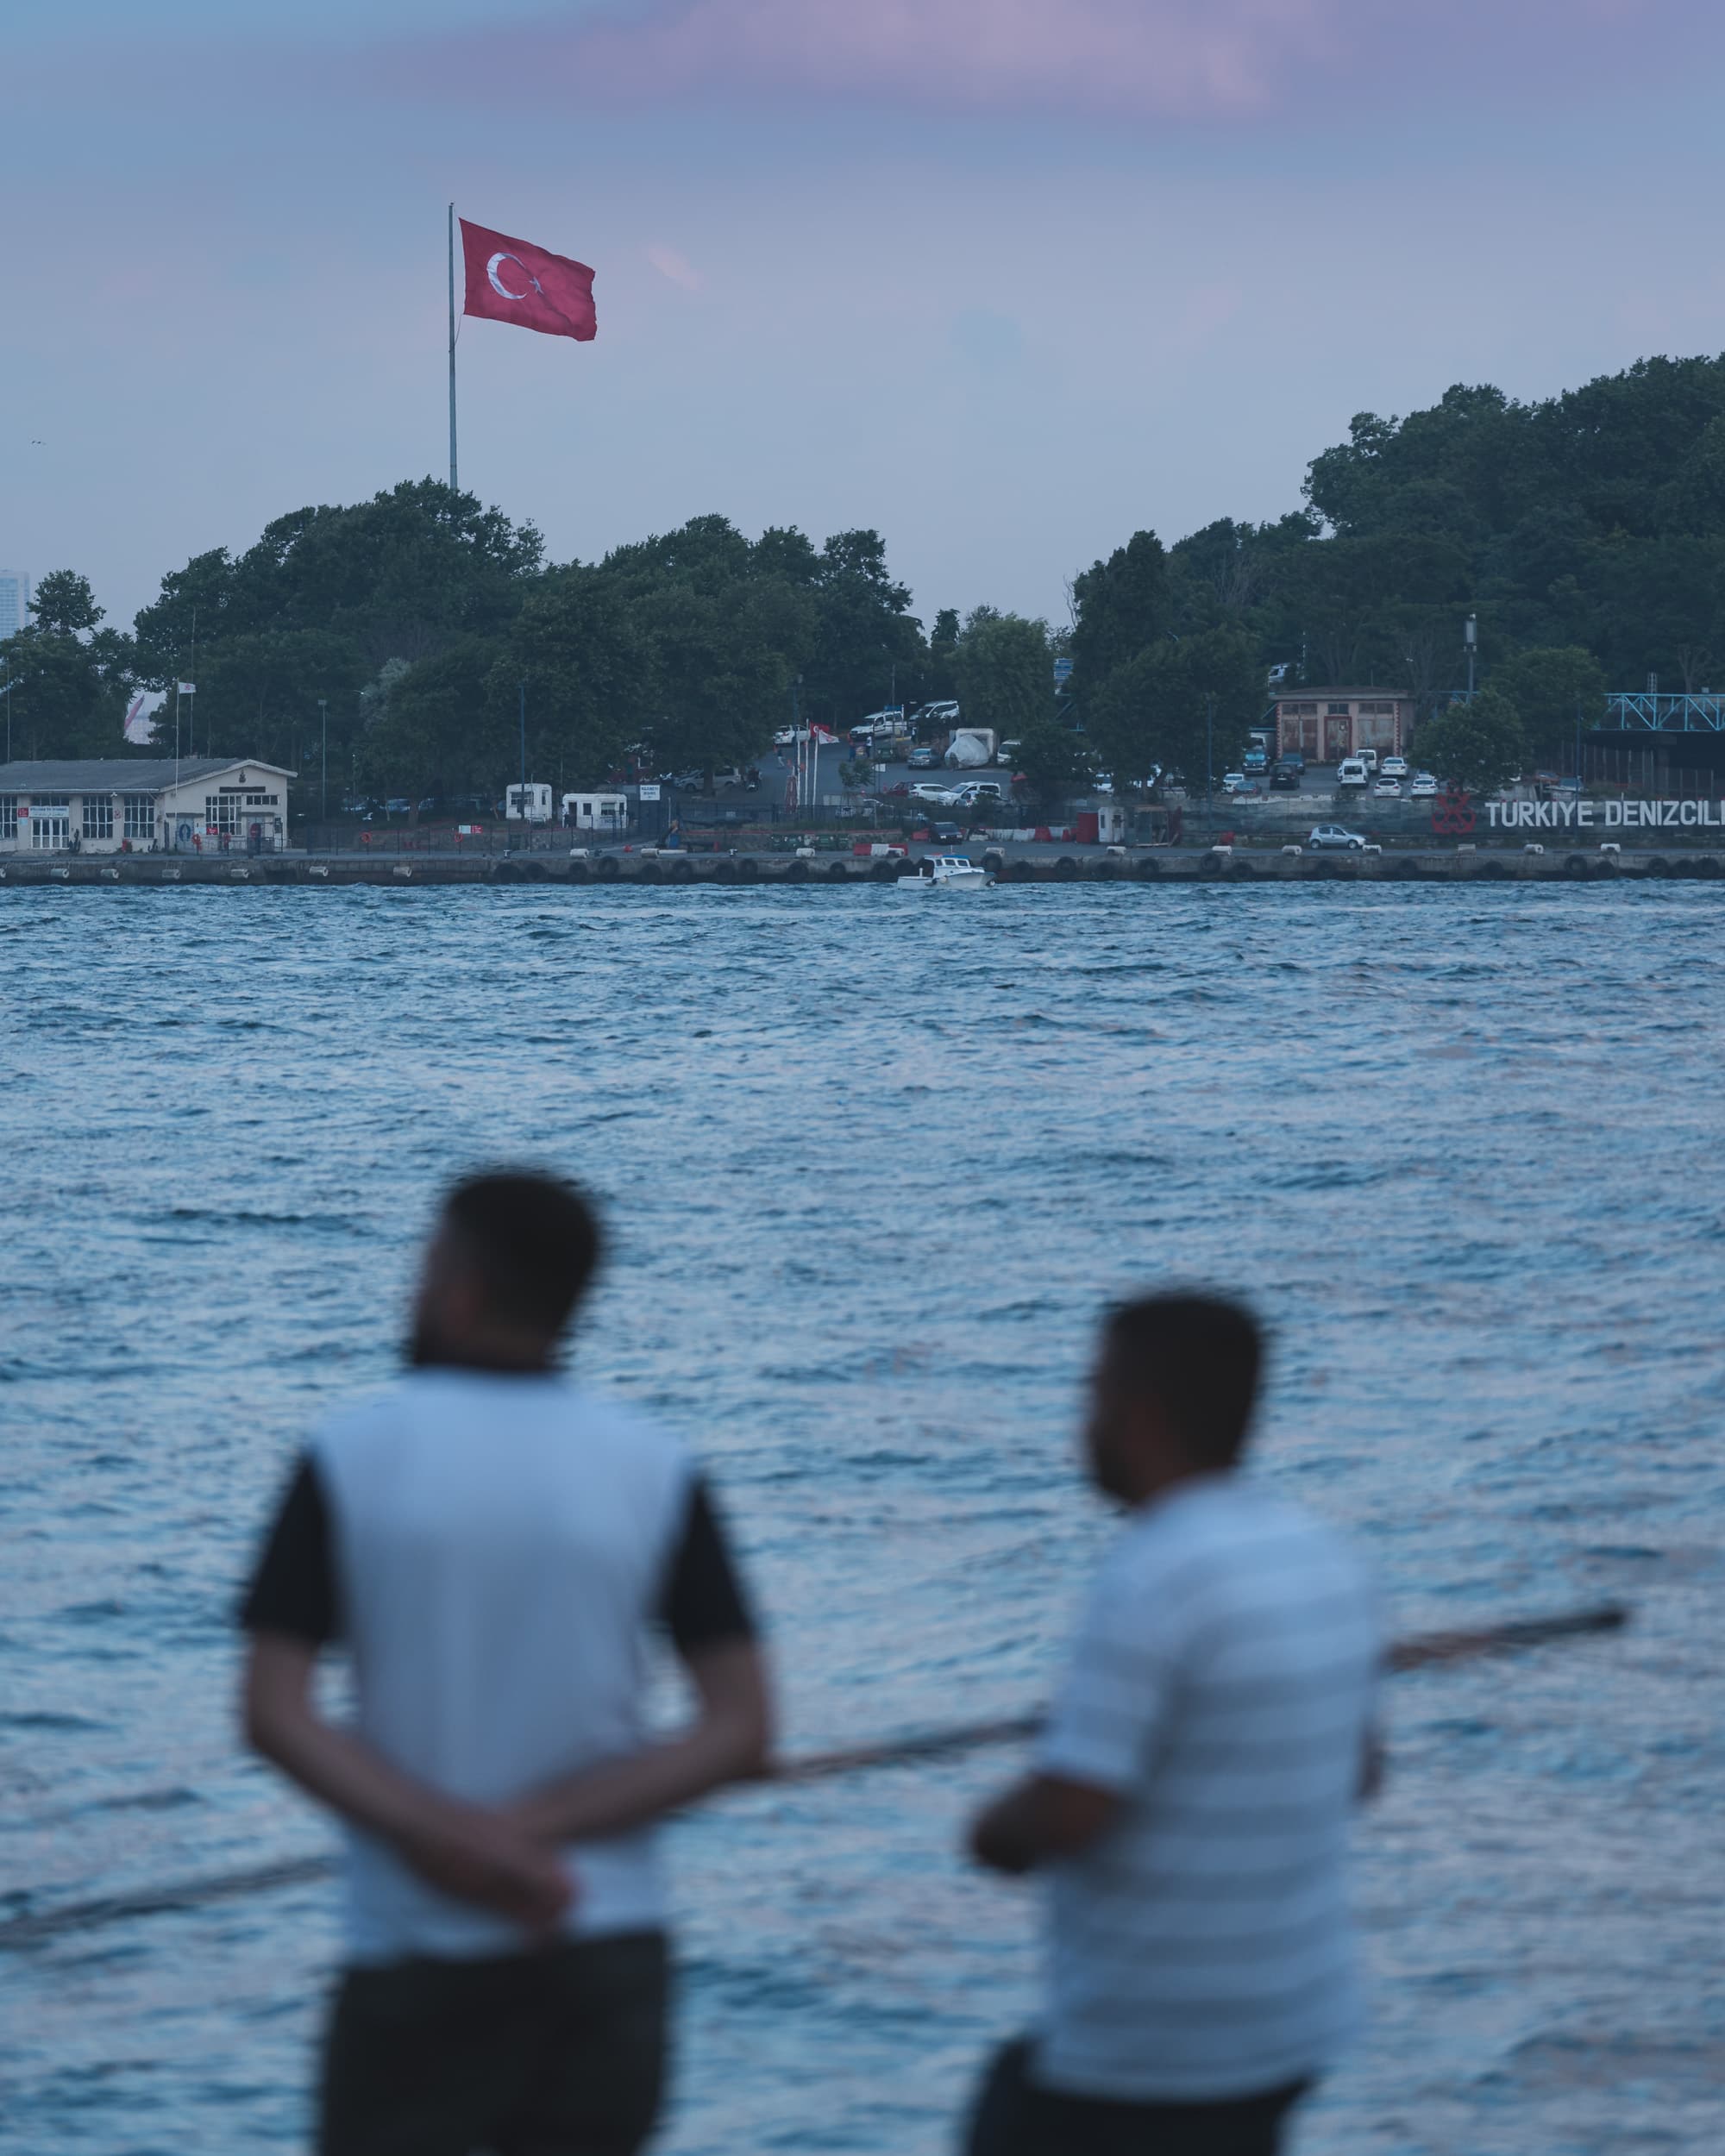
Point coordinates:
[(1006, 292)]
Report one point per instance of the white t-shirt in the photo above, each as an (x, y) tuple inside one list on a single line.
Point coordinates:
[(1222, 1686), (494, 1550)]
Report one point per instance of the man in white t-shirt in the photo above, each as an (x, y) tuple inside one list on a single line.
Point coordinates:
[(493, 1545), (1195, 1785)]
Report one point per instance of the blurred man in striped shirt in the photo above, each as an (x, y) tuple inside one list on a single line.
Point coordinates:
[(1192, 1796)]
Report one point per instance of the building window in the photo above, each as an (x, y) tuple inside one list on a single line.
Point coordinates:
[(1337, 711), (1300, 710), (140, 815), (1378, 710), (222, 811), (9, 815), (263, 800), (98, 816)]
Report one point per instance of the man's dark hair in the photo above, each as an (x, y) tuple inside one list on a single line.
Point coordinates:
[(1200, 1356), (531, 1238)]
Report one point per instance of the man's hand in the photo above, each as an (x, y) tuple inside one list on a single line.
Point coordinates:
[(483, 1857), (479, 1856), (1041, 1818)]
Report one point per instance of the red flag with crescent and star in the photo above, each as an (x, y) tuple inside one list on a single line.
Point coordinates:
[(513, 280)]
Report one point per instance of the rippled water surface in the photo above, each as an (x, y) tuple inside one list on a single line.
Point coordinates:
[(872, 1164)]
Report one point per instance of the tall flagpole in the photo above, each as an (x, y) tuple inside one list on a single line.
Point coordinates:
[(452, 348)]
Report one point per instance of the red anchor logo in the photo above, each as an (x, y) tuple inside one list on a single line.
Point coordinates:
[(1452, 812)]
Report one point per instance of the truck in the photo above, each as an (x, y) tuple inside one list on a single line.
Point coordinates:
[(971, 747)]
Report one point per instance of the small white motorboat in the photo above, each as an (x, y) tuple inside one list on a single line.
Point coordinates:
[(947, 872)]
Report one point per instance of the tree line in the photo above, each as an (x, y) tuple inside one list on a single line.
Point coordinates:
[(1585, 532)]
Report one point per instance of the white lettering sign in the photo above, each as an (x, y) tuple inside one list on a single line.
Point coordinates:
[(1629, 816)]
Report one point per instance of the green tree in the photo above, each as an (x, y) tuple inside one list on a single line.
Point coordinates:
[(1121, 607), (1005, 672), (1179, 706), (71, 677), (1554, 689), (1478, 745), (1053, 761)]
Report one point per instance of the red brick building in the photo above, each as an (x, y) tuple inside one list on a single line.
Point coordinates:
[(1324, 725)]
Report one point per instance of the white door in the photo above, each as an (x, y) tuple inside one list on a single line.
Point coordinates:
[(50, 827)]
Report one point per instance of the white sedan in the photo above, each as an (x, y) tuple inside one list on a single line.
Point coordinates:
[(1393, 767), (1424, 787), (1387, 790), (1233, 781)]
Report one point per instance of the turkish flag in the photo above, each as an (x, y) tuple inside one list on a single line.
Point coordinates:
[(513, 280)]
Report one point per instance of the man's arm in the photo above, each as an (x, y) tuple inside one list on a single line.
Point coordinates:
[(1039, 1819), (702, 1604), (477, 1855), (728, 1741)]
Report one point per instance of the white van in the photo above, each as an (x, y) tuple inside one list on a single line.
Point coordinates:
[(1368, 757), (1351, 771)]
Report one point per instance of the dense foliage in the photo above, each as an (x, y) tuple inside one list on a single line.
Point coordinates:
[(1587, 533)]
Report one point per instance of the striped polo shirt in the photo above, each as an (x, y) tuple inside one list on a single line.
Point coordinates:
[(1221, 1685)]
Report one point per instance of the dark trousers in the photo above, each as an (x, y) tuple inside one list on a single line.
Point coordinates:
[(558, 2053), (1014, 2117)]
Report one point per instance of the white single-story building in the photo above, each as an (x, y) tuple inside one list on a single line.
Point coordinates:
[(137, 804), (596, 811)]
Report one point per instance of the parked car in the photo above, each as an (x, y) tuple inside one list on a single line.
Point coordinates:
[(1368, 757), (924, 759), (1248, 790), (900, 792), (1332, 837), (1423, 787), (977, 792), (1393, 767), (1007, 753), (1255, 762), (946, 832), (1291, 760), (941, 794), (397, 808), (1387, 790), (1352, 771), (1284, 779), (1233, 781)]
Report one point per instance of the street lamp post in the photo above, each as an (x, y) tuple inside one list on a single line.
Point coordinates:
[(323, 794), (521, 695), (1469, 637), (1209, 749)]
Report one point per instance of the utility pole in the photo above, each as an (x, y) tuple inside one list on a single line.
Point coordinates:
[(1209, 748), (1469, 637), (323, 715)]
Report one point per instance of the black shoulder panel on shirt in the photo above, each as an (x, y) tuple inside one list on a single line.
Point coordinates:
[(701, 1601), (293, 1589)]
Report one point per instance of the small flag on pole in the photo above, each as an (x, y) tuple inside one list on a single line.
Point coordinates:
[(513, 280), (188, 688), (141, 725)]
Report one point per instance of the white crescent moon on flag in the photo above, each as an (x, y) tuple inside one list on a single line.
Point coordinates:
[(498, 284)]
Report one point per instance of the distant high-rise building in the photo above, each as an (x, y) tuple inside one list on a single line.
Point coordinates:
[(14, 602)]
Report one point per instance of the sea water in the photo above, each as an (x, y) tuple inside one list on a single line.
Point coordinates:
[(870, 1171)]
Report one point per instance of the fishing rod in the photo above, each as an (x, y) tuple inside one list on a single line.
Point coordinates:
[(1422, 1651)]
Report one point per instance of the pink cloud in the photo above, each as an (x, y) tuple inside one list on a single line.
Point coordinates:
[(1149, 56), (1173, 60), (676, 267)]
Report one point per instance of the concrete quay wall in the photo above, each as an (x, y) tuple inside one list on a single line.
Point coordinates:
[(1032, 864)]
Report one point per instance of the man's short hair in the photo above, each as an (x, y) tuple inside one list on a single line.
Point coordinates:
[(532, 1240), (1199, 1356)]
